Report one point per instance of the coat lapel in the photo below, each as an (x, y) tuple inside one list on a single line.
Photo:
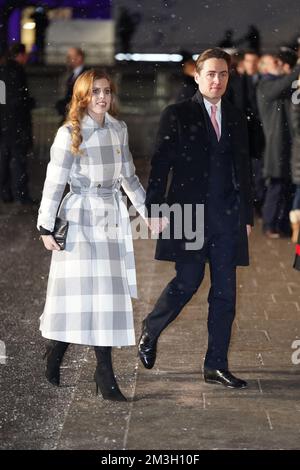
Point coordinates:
[(201, 118), (198, 100)]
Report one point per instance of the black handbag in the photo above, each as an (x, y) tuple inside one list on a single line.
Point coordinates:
[(60, 232)]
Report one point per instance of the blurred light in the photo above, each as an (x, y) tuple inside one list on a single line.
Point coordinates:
[(138, 57), (29, 25), (195, 56)]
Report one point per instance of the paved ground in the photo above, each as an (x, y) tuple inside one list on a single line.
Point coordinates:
[(170, 407)]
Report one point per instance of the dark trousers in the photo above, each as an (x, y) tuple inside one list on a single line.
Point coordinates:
[(13, 171), (221, 252), (278, 201)]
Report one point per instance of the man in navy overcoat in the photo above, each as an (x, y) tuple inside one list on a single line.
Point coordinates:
[(204, 141)]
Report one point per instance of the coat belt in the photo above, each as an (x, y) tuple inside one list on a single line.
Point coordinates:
[(101, 191)]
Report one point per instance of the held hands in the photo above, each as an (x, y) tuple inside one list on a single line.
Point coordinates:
[(50, 243), (157, 224)]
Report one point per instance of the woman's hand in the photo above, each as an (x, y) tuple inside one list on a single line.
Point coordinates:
[(157, 224), (249, 229), (50, 243)]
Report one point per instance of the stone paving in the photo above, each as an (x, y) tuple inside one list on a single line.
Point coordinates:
[(170, 406)]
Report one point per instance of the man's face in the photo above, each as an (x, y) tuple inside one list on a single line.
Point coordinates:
[(265, 64), (269, 64), (212, 79), (286, 68), (251, 63), (73, 58)]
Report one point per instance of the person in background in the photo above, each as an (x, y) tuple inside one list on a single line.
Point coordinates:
[(126, 26), (235, 91), (76, 66), (227, 42), (41, 20), (15, 128), (274, 93), (264, 63), (295, 165), (252, 78)]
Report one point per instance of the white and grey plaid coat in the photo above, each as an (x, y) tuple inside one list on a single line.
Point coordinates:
[(92, 281)]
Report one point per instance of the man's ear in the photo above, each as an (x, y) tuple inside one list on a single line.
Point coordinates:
[(196, 77)]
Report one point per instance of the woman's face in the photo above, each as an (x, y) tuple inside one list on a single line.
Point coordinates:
[(101, 97)]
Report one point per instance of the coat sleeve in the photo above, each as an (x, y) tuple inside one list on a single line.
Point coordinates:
[(57, 176), (166, 149), (271, 90), (130, 181), (295, 119)]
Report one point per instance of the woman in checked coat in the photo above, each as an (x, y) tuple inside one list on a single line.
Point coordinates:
[(92, 281)]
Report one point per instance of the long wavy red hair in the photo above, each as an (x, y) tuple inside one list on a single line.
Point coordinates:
[(82, 94)]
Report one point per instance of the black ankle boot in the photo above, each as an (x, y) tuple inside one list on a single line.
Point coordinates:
[(54, 354), (104, 375)]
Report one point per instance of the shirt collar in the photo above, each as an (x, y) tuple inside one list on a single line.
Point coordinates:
[(77, 70), (208, 105)]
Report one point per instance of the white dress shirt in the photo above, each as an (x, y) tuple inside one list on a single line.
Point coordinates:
[(77, 71), (208, 106)]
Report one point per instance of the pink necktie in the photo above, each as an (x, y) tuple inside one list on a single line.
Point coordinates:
[(214, 120)]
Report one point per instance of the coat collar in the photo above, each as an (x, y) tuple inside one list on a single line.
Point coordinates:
[(89, 123)]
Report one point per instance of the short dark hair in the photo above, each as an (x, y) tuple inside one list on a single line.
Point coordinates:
[(214, 53), (79, 51), (16, 49), (287, 56)]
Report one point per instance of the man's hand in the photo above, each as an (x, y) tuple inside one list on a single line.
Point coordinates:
[(50, 243), (157, 224), (249, 229)]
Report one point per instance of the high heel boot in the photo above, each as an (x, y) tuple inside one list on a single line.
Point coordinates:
[(54, 354), (104, 375)]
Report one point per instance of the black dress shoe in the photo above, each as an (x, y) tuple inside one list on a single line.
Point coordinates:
[(223, 377), (147, 348)]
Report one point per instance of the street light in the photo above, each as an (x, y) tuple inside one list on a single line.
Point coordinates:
[(29, 25)]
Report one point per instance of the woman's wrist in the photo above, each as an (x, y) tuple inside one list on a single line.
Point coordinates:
[(44, 231)]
